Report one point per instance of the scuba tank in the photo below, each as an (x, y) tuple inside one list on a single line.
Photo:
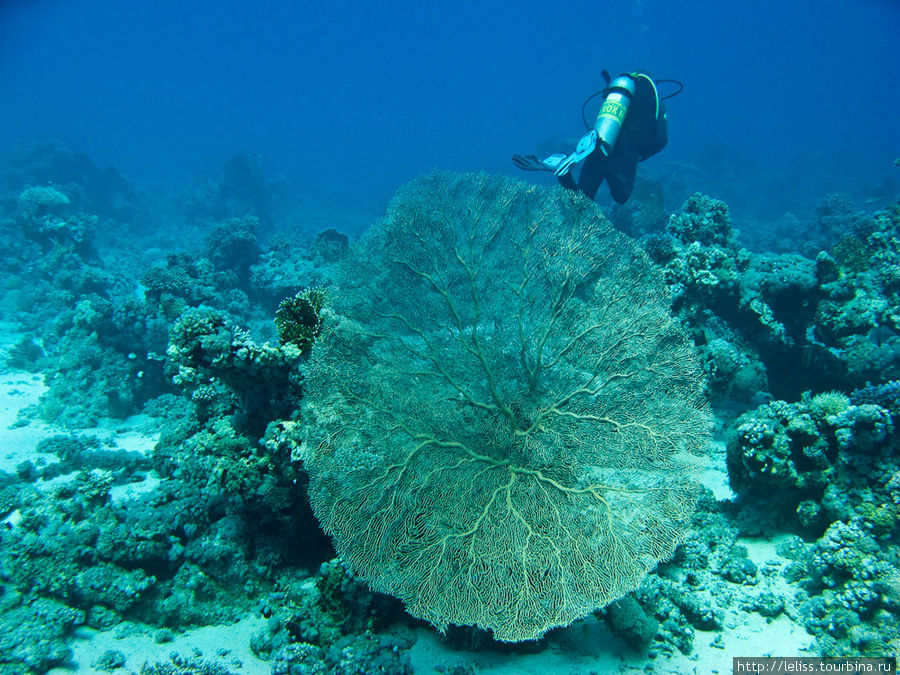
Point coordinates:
[(613, 111), (608, 125)]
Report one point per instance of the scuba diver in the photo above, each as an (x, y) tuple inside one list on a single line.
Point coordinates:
[(630, 127)]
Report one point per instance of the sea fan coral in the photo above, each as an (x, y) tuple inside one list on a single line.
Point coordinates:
[(500, 411)]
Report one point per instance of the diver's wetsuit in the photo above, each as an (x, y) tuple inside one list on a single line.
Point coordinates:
[(644, 133)]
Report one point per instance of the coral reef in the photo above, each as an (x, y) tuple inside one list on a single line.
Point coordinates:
[(709, 582), (22, 618), (232, 246), (199, 311), (827, 466), (348, 656), (782, 323), (223, 521), (329, 246), (104, 192), (45, 220), (286, 269), (850, 597), (206, 349), (322, 610), (811, 463)]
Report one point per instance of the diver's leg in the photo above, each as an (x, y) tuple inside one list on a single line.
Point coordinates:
[(622, 169), (567, 181), (592, 174)]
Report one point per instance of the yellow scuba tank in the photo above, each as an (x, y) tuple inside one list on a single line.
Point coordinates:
[(613, 111)]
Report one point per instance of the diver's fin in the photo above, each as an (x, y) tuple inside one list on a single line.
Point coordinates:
[(585, 147), (532, 163)]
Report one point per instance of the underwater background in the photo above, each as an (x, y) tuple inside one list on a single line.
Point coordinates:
[(187, 188)]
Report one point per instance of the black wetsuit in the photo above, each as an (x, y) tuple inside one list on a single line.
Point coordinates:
[(644, 133)]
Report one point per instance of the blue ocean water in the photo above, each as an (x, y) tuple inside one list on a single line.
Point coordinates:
[(210, 419), (353, 98)]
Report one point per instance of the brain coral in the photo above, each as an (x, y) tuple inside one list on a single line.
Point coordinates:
[(501, 417)]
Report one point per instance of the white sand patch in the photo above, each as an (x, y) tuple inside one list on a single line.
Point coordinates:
[(19, 437), (715, 473), (129, 435), (120, 494), (18, 390), (227, 645)]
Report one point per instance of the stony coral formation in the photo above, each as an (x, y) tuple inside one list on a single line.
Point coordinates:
[(799, 323), (811, 463)]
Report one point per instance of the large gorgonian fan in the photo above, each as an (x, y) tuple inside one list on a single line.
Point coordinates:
[(501, 416)]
